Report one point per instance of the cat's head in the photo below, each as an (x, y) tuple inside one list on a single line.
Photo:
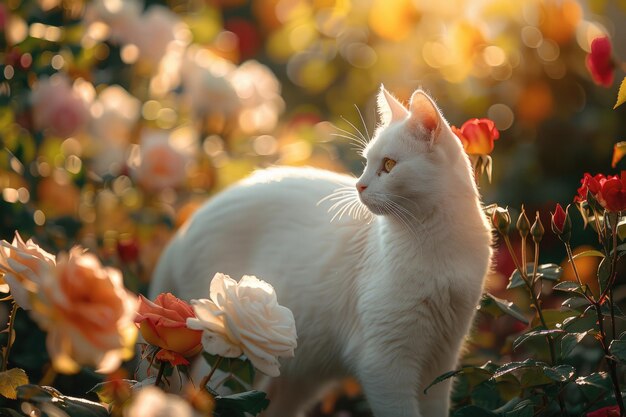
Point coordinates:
[(413, 158)]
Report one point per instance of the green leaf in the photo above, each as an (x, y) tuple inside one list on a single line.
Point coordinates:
[(497, 307), (535, 334), (473, 411), (575, 303), (10, 380), (604, 271), (591, 252), (569, 342), (551, 272), (477, 374), (50, 397), (514, 366), (523, 409), (621, 94), (560, 373), (594, 385), (618, 349), (252, 402), (569, 286), (104, 389)]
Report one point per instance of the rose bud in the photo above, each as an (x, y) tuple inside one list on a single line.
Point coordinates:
[(561, 223), (523, 225), (537, 231), (501, 220)]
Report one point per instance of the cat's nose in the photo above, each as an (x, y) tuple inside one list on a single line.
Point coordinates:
[(361, 187)]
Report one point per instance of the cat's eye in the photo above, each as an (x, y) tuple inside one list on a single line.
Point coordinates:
[(388, 164)]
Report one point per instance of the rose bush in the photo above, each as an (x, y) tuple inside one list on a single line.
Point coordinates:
[(24, 265), (87, 313), (162, 323), (245, 318)]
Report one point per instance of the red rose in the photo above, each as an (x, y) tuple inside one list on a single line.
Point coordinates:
[(610, 411), (589, 183), (613, 193), (477, 136), (600, 62), (609, 191)]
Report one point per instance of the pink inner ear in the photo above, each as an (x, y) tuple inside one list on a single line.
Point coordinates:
[(423, 110)]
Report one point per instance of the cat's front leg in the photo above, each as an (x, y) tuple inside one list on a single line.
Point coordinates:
[(389, 383)]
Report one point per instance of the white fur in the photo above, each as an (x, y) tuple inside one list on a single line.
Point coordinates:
[(387, 298)]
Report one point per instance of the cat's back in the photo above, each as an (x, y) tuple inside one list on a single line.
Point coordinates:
[(274, 224)]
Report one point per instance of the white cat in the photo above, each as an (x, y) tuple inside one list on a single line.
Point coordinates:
[(387, 297)]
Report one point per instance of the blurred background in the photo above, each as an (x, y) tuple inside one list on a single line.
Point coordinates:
[(118, 118)]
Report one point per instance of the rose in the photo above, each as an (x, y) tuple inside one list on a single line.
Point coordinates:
[(561, 223), (162, 165), (600, 62), (24, 265), (245, 318), (609, 191), (477, 136), (57, 106), (610, 411), (87, 313), (163, 323)]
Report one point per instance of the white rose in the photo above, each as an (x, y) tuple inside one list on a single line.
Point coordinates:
[(24, 265), (245, 318)]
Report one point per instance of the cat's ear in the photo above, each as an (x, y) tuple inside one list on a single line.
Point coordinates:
[(389, 108), (424, 113)]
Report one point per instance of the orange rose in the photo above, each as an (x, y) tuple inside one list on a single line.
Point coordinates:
[(23, 265), (163, 323), (87, 313), (477, 136)]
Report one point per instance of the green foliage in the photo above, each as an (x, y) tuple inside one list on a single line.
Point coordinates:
[(48, 398), (497, 307), (237, 405), (550, 272)]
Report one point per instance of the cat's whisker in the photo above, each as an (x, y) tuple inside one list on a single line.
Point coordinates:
[(341, 203), (363, 121), (357, 137), (356, 129), (349, 135), (337, 192), (395, 210), (359, 145)]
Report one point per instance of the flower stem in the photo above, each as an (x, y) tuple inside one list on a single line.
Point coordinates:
[(610, 361), (159, 376), (570, 257), (5, 359), (206, 379)]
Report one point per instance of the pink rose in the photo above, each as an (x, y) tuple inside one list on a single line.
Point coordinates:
[(87, 313), (57, 107), (162, 165)]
